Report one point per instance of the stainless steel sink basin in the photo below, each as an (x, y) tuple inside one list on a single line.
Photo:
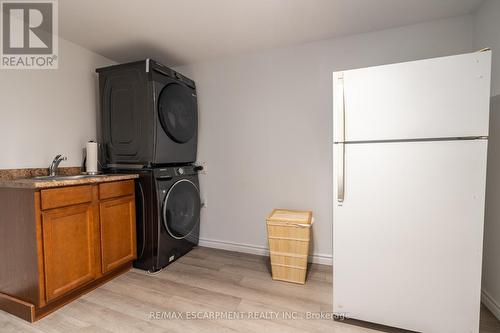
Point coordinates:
[(75, 177)]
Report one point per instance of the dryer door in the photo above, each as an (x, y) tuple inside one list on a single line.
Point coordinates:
[(177, 110), (181, 209)]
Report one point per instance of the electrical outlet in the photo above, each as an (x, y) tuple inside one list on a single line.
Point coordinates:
[(204, 165)]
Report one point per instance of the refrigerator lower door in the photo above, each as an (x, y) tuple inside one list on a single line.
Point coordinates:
[(408, 234)]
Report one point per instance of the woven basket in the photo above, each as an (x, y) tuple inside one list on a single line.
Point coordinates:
[(289, 234)]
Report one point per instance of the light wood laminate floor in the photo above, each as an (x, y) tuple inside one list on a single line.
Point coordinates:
[(214, 282)]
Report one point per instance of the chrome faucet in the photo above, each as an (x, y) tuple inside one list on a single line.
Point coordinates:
[(55, 165)]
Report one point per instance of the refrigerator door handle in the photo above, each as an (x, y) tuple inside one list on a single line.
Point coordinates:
[(340, 172), (338, 108), (339, 137)]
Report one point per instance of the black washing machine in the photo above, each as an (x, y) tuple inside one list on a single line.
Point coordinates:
[(148, 115), (168, 214)]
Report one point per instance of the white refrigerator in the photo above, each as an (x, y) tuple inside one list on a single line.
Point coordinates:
[(410, 146)]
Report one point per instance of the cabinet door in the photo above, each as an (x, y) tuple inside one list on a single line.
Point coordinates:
[(68, 243), (118, 244)]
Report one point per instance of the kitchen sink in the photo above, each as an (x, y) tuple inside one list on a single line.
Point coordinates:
[(75, 177)]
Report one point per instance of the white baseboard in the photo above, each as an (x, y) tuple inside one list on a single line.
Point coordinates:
[(490, 303), (317, 258)]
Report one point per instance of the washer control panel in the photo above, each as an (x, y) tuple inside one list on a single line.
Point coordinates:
[(177, 171)]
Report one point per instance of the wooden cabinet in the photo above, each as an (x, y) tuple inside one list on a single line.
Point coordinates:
[(66, 196), (68, 249), (68, 241), (118, 243)]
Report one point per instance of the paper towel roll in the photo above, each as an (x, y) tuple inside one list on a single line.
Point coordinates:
[(91, 161)]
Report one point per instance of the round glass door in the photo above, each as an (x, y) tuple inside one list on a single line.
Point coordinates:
[(181, 209), (177, 110)]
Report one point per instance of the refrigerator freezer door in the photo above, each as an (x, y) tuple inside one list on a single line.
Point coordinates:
[(408, 235), (433, 98)]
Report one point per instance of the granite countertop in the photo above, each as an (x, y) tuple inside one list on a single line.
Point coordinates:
[(23, 178), (49, 183)]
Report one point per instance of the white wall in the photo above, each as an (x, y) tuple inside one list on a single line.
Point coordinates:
[(488, 35), (46, 112), (266, 127)]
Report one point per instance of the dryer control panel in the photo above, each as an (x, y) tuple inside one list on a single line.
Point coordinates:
[(177, 171)]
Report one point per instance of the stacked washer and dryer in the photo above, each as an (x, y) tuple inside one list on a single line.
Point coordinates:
[(148, 124)]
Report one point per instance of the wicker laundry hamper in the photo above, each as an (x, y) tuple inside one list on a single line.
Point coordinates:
[(289, 234)]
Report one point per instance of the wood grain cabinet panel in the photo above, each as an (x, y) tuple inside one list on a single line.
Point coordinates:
[(118, 241), (69, 249), (66, 196), (116, 189)]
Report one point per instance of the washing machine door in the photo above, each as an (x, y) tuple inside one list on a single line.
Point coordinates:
[(181, 209), (178, 112)]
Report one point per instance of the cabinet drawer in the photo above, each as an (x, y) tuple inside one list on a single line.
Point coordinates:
[(116, 189), (66, 196)]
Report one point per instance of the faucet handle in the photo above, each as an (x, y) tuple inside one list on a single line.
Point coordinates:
[(58, 157)]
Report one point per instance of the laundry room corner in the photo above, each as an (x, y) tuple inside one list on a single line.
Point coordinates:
[(250, 166), (265, 123)]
